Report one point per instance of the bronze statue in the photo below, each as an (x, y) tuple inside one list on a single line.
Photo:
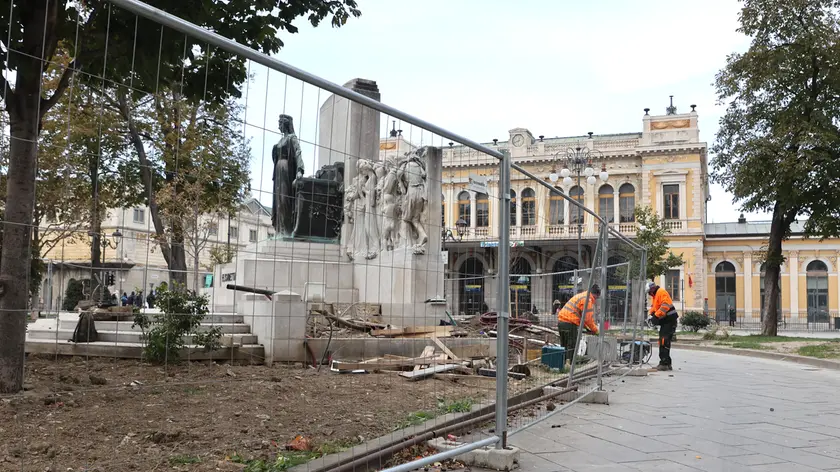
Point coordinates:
[(288, 167)]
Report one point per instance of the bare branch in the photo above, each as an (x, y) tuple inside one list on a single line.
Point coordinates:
[(63, 83)]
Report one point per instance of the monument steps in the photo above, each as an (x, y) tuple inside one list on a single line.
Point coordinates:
[(120, 339)]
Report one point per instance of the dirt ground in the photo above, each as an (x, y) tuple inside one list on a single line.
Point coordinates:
[(107, 415)]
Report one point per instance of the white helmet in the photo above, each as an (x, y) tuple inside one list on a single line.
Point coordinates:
[(648, 286)]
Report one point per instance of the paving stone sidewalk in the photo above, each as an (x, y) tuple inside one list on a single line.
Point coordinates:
[(714, 412)]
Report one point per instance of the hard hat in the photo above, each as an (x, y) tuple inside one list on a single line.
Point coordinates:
[(649, 286)]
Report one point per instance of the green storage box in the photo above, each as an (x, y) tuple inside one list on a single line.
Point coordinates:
[(554, 356)]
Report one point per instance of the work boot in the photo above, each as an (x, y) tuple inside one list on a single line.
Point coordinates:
[(670, 367), (662, 367)]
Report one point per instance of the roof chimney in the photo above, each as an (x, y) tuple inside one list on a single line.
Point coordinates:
[(741, 219)]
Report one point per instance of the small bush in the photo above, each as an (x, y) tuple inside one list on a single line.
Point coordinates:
[(716, 332), (694, 321), (182, 313), (73, 295)]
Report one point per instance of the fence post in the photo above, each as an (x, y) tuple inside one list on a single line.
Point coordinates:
[(604, 304), (503, 301)]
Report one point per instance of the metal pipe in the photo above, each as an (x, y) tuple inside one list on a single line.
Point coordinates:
[(604, 304), (177, 24), (626, 301), (242, 288), (503, 317), (442, 456), (582, 320)]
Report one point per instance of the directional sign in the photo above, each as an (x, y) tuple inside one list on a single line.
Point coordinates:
[(478, 184)]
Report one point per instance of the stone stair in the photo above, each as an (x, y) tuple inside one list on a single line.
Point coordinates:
[(120, 339)]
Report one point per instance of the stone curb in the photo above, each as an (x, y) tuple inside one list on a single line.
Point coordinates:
[(777, 356)]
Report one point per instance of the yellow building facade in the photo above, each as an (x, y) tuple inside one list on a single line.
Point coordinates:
[(665, 167)]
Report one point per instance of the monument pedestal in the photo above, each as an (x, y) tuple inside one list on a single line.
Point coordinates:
[(401, 282)]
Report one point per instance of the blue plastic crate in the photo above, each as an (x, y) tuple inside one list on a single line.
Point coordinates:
[(553, 356)]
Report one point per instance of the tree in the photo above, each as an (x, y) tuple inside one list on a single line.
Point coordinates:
[(83, 170), (127, 49), (651, 236), (73, 294), (778, 145), (211, 157)]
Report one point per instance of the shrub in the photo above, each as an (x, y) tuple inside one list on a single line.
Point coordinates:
[(181, 314), (73, 295), (694, 321)]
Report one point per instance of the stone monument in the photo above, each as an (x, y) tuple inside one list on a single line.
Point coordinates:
[(288, 167)]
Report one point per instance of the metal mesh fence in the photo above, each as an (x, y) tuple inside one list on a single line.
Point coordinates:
[(238, 262)]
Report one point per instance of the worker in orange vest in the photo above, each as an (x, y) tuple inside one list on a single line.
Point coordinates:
[(568, 318), (663, 314)]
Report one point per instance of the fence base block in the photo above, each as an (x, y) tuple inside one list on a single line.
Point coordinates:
[(486, 457), (599, 397), (637, 372)]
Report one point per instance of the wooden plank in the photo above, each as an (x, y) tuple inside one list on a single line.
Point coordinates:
[(388, 363), (542, 329), (423, 373), (412, 330), (428, 351), (463, 376), (445, 349)]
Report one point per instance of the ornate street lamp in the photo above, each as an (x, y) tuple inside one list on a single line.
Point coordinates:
[(579, 161), (461, 228)]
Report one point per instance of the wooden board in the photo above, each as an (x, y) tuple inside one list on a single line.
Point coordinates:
[(442, 331), (388, 363), (428, 351), (492, 373), (445, 349), (423, 373)]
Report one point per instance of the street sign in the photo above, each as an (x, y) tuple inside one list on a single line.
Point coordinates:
[(478, 184), (496, 243)]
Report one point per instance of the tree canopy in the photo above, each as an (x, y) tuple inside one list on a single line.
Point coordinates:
[(778, 146)]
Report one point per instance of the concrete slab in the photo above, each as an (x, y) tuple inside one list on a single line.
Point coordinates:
[(716, 407)]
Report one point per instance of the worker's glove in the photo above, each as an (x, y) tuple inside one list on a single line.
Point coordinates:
[(652, 321)]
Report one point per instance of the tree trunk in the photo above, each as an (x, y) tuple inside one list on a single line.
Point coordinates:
[(772, 268), (96, 278), (16, 252)]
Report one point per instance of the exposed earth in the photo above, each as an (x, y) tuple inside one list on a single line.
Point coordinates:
[(106, 414)]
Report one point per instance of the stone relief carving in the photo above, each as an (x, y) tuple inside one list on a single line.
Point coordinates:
[(387, 203)]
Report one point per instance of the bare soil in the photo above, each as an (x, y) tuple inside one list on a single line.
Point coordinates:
[(106, 415)]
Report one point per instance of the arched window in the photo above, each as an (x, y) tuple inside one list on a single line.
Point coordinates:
[(626, 203), (816, 275), (464, 207), (562, 287), (513, 208), (575, 213), (556, 204), (472, 289), (529, 208), (606, 204), (725, 301), (763, 292), (520, 285), (482, 210)]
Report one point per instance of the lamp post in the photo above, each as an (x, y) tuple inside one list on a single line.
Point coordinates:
[(461, 228), (578, 161)]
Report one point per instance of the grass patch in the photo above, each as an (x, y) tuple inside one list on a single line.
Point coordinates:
[(193, 390), (184, 460), (415, 419), (457, 406), (742, 345), (821, 351), (285, 460)]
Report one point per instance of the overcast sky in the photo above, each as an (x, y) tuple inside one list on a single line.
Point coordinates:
[(482, 67)]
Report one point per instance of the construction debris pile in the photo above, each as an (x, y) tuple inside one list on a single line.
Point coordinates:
[(474, 362)]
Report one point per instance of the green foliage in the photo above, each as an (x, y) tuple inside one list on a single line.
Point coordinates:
[(221, 255), (463, 405), (652, 235), (778, 145), (694, 321), (182, 313), (73, 295)]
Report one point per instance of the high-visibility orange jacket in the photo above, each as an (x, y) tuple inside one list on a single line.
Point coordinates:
[(662, 304), (570, 312)]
